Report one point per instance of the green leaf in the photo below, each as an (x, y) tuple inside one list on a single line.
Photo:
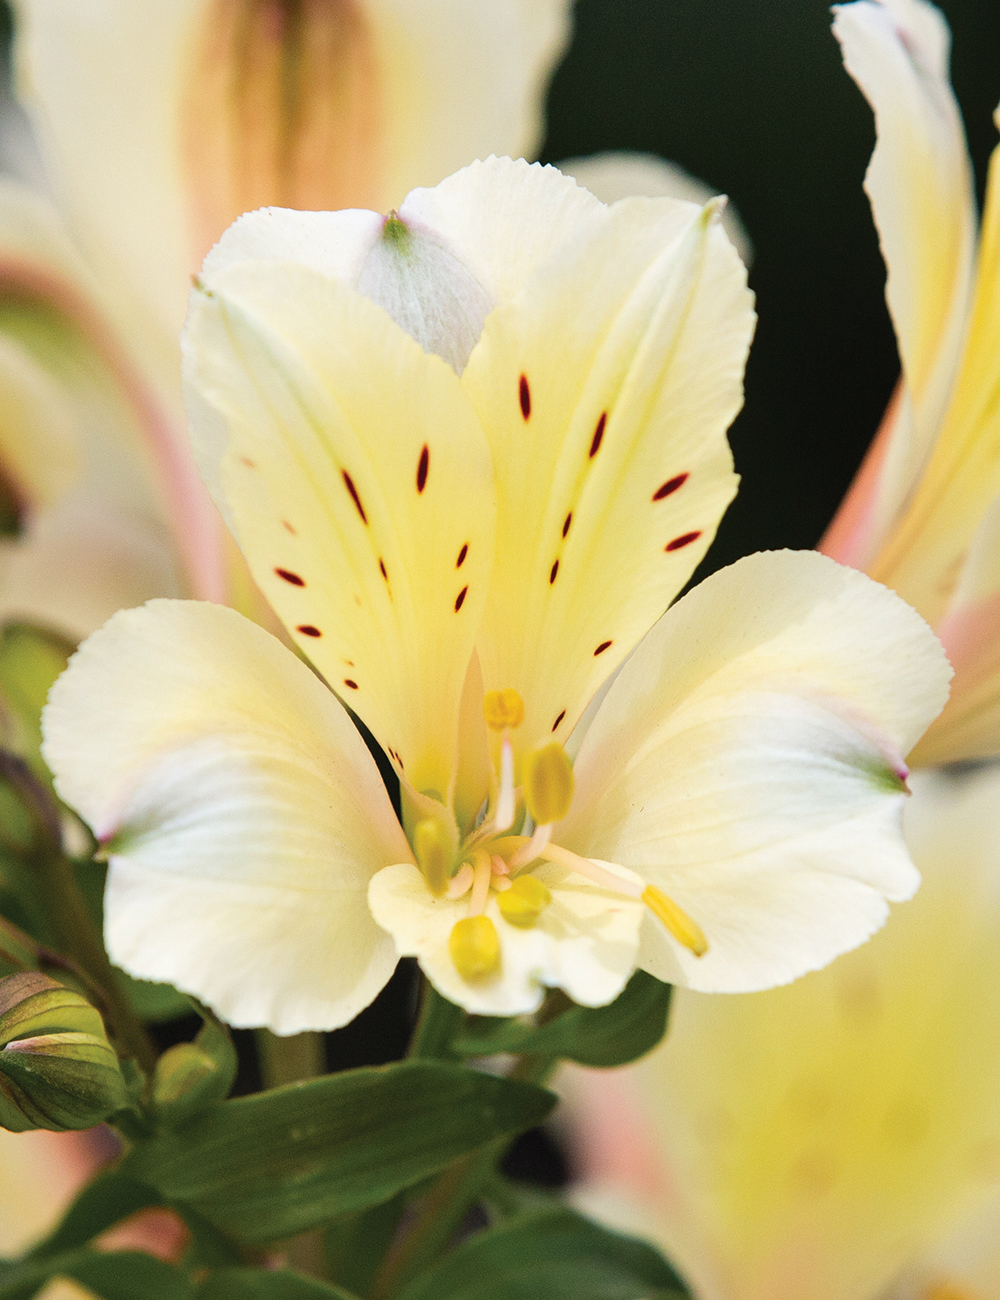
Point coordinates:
[(110, 1198), (281, 1162), (621, 1032), (30, 661), (354, 1247), (256, 1284), (555, 1255), (150, 1001), (112, 1275)]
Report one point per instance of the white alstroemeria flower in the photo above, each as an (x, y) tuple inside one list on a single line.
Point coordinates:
[(471, 452), (923, 515), (817, 1142)]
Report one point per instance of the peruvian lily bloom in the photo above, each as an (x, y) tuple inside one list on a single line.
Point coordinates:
[(471, 452), (923, 515), (159, 124)]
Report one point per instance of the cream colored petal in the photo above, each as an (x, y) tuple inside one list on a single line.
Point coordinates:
[(38, 443), (924, 557), (748, 762), (819, 1138), (921, 188), (606, 389), (241, 810), (584, 942), (613, 176), (358, 483)]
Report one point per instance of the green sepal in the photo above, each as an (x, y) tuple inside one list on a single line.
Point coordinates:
[(190, 1077), (554, 1255), (623, 1031), (57, 1069), (272, 1284), (281, 1162)]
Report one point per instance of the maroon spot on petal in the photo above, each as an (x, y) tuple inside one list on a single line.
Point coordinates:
[(461, 556), (250, 464), (685, 539), (423, 464), (558, 720), (524, 393), (381, 565), (601, 648), (352, 684), (671, 485), (307, 629), (288, 526), (595, 445), (552, 573), (349, 662), (460, 599), (291, 577), (349, 484), (566, 523)]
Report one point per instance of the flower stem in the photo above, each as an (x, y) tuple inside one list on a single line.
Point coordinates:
[(289, 1059), (436, 1026)]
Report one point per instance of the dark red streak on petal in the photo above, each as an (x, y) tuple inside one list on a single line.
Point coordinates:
[(287, 525), (566, 523), (558, 720), (381, 565), (461, 556), (250, 464), (524, 393), (595, 445), (601, 648), (352, 685), (307, 629), (349, 484), (460, 601), (685, 539), (422, 467), (552, 573), (291, 577), (671, 485)]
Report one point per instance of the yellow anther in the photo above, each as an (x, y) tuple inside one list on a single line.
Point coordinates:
[(432, 847), (503, 709), (475, 947), (548, 783), (522, 904), (684, 929)]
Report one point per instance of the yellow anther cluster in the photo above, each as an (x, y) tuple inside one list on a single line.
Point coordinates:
[(522, 904), (503, 709), (432, 848), (474, 946), (548, 784), (683, 927)]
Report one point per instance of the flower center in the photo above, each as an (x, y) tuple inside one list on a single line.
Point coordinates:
[(493, 862)]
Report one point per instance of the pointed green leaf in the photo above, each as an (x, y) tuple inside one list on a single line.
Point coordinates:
[(555, 1255), (111, 1197), (281, 1162), (256, 1284), (621, 1032)]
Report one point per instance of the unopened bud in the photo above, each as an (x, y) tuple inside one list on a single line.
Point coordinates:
[(190, 1077), (548, 784), (474, 946), (523, 903), (57, 1068)]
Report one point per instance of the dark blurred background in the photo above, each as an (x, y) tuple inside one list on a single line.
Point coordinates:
[(751, 96)]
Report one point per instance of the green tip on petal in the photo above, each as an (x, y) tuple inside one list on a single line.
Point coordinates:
[(395, 231)]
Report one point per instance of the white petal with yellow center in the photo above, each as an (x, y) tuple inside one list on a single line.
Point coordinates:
[(242, 812), (358, 483), (748, 762), (921, 188), (584, 941), (606, 388)]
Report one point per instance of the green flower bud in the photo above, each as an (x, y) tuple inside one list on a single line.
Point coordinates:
[(57, 1068)]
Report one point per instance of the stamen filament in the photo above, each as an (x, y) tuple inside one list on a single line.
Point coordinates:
[(460, 883), (481, 872), (532, 848), (506, 802), (584, 867)]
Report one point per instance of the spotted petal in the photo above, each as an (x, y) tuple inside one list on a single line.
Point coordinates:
[(585, 941), (748, 762), (357, 481), (606, 387), (241, 811)]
